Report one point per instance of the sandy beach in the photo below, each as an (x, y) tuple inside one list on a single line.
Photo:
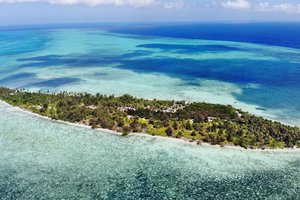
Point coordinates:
[(285, 150)]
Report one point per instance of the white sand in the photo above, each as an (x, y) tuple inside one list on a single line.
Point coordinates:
[(286, 150)]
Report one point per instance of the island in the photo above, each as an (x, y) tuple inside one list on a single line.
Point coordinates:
[(194, 121)]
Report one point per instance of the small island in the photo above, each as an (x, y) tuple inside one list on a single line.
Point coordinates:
[(197, 122)]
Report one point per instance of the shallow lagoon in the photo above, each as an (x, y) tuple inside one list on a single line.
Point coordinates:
[(41, 159), (259, 78)]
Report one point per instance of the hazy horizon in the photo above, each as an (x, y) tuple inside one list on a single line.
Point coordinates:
[(17, 12)]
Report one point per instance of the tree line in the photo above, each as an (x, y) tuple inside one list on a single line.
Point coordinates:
[(199, 122)]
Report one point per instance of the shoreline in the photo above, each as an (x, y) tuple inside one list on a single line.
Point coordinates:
[(186, 141)]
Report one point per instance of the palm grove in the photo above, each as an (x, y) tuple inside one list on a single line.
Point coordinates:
[(199, 122)]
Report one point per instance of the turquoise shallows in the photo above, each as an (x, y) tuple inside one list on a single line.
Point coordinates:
[(41, 159), (258, 78)]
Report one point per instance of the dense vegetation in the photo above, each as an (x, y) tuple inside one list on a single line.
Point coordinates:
[(199, 122)]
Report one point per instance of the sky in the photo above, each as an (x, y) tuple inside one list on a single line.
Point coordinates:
[(13, 12)]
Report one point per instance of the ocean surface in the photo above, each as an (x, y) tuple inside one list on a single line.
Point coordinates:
[(41, 159), (255, 67)]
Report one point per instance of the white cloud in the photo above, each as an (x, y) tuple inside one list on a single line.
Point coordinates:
[(134, 3), (281, 7), (237, 4), (174, 4), (286, 7), (263, 6)]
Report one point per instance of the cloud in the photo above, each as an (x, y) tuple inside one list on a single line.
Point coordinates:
[(237, 4), (174, 4), (281, 7), (263, 6), (286, 7), (133, 3)]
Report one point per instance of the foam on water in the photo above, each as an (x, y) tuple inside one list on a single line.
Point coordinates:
[(41, 159)]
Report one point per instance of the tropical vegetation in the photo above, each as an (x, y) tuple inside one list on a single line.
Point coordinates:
[(198, 122)]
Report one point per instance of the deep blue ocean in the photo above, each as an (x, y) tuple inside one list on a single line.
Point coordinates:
[(278, 34)]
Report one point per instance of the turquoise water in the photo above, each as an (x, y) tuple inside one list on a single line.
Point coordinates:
[(259, 78), (48, 160), (41, 159)]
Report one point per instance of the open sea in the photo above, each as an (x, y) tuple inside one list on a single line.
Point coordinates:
[(252, 66)]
